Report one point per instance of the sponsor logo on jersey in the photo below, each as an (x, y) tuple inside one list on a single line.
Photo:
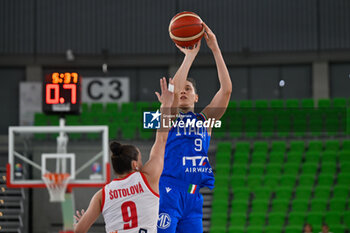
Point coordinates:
[(164, 221), (118, 193), (197, 163), (151, 120)]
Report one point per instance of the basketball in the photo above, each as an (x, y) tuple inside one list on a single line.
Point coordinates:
[(186, 29)]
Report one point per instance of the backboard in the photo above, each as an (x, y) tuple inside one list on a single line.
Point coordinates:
[(81, 151)]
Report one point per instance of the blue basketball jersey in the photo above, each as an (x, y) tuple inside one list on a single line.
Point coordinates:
[(186, 152)]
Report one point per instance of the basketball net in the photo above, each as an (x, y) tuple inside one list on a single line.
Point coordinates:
[(56, 183)]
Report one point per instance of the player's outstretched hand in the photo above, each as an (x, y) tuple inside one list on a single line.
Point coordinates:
[(79, 215), (192, 52), (210, 38), (167, 97)]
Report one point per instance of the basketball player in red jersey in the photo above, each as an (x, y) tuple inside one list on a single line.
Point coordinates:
[(130, 203)]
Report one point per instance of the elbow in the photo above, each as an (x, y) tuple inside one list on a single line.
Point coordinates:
[(78, 229), (227, 90)]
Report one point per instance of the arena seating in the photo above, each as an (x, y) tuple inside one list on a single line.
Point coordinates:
[(244, 119), (278, 186)]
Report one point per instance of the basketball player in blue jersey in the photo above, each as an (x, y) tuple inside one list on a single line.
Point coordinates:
[(186, 165)]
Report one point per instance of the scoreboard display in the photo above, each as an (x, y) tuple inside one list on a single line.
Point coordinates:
[(61, 93)]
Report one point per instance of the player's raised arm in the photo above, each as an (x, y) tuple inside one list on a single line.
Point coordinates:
[(86, 219), (154, 167), (218, 105), (182, 73)]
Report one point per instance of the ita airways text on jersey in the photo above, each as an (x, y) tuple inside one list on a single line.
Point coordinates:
[(129, 205)]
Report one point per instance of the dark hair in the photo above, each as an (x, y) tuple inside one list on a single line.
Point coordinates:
[(307, 224), (122, 155), (191, 80)]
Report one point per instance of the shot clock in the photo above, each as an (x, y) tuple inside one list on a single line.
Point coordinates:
[(61, 93)]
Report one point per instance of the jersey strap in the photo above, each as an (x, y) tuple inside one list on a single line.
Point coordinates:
[(179, 185)]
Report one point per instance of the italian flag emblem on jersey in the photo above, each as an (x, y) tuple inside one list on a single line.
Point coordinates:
[(192, 188)]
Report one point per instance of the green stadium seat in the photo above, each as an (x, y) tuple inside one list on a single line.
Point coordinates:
[(261, 104), (276, 157), (235, 229), (113, 129), (280, 206), (306, 180), (239, 206), (260, 206), (332, 145), (337, 204), (241, 193), (112, 108), (315, 146), (53, 120), (332, 218), (128, 131), (346, 145), (339, 102), (221, 180), (96, 108), (40, 119), (221, 193), (241, 158), (303, 193), (262, 194), (297, 146), (309, 168), (322, 192), (223, 157), (254, 229), (128, 107), (296, 218), (273, 229), (344, 156), (239, 169), (261, 147), (329, 168), (284, 193), (222, 169), (346, 219), (146, 134), (338, 228), (238, 219), (312, 156), (293, 228), (292, 103), (85, 108), (319, 205), (341, 192), (258, 157), (155, 105), (345, 167), (287, 181), (218, 220), (314, 218), (217, 229), (273, 169), (329, 156), (324, 103), (325, 180), (307, 103), (254, 181), (257, 220), (276, 220), (242, 147), (291, 169), (300, 205), (256, 170), (277, 103), (271, 181), (246, 104), (237, 181), (343, 179), (294, 157), (277, 146)]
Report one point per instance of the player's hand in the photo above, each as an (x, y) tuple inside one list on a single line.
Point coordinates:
[(79, 215), (210, 38), (190, 52), (167, 97)]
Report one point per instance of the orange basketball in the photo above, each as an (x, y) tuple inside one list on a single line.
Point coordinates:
[(186, 29)]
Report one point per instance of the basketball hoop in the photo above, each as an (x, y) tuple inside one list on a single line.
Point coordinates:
[(56, 183)]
